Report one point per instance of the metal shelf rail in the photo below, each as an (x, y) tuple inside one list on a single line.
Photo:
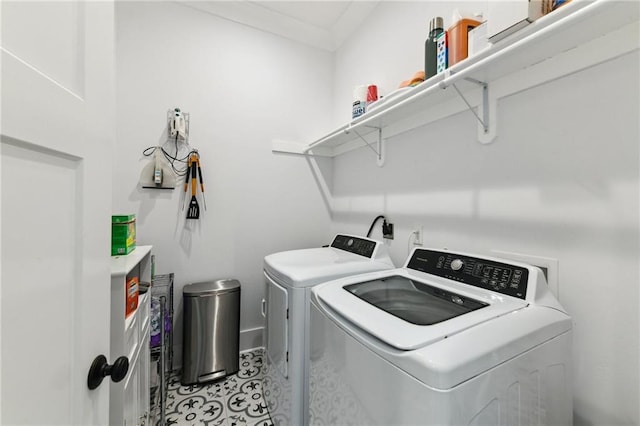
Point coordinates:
[(161, 342)]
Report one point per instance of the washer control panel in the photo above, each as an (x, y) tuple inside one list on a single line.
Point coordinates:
[(500, 277), (354, 245)]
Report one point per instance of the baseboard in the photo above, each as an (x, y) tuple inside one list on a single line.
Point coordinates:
[(249, 339)]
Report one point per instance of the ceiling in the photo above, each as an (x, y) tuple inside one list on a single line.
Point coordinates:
[(321, 24)]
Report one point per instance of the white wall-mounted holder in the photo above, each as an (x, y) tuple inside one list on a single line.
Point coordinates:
[(178, 125), (177, 147), (169, 160), (577, 36)]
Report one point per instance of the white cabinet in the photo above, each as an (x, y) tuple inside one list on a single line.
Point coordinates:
[(129, 399)]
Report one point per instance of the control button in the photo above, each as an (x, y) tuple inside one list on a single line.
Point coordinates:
[(350, 242), (493, 283), (457, 264), (458, 300), (502, 285), (484, 281)]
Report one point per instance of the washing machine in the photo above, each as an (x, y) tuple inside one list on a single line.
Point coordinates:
[(289, 278), (450, 338)]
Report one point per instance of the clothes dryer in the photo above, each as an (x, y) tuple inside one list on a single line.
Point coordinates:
[(449, 339), (289, 277)]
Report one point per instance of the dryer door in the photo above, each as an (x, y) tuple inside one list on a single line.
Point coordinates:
[(277, 326)]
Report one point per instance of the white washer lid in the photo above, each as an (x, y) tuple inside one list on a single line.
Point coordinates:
[(308, 267), (401, 334)]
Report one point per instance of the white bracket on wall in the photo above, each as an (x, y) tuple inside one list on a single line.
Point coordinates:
[(294, 148), (486, 130), (380, 144)]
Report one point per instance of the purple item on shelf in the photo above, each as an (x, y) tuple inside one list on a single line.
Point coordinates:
[(156, 337)]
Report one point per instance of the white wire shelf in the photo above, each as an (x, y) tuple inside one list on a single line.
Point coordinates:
[(567, 39)]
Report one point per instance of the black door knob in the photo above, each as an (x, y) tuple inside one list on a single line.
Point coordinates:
[(101, 369)]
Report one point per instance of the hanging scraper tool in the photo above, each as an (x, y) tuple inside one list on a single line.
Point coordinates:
[(157, 174)]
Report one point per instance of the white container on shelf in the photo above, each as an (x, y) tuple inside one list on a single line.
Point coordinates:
[(359, 101), (506, 17), (478, 40)]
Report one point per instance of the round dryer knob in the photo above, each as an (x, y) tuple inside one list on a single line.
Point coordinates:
[(457, 264)]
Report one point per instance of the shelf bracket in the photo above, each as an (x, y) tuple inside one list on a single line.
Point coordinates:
[(486, 132), (380, 151)]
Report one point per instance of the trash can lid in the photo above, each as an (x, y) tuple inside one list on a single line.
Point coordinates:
[(211, 287)]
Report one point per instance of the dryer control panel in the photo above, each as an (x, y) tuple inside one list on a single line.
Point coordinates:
[(355, 245), (500, 277)]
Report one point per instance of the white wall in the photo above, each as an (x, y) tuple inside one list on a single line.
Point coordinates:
[(242, 88), (561, 181)]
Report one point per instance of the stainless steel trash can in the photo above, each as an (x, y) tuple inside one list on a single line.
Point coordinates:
[(211, 330)]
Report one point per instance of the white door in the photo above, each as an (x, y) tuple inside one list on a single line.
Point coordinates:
[(56, 137)]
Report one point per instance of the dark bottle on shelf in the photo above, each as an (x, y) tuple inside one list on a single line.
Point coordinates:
[(436, 27)]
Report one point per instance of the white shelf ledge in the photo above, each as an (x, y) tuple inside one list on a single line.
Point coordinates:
[(572, 38), (122, 265)]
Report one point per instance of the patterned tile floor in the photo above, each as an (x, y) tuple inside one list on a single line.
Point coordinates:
[(233, 401)]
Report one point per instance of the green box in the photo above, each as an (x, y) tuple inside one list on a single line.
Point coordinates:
[(123, 234)]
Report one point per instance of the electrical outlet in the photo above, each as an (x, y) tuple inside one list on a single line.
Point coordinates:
[(548, 265), (417, 232), (387, 230)]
